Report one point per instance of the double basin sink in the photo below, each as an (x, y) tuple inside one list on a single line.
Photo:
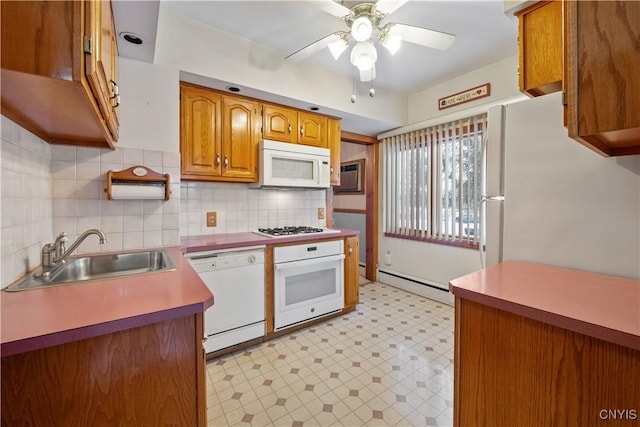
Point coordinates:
[(98, 267)]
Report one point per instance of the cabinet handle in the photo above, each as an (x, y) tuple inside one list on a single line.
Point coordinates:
[(217, 160), (331, 169), (301, 131), (226, 162), (115, 98), (350, 249), (289, 128)]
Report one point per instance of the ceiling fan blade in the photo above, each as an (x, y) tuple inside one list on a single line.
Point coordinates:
[(422, 36), (314, 47), (387, 7), (333, 8)]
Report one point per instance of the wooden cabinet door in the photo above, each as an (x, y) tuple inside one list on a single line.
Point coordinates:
[(279, 123), (312, 129), (540, 48), (334, 146), (199, 133), (603, 88), (100, 65), (239, 139), (351, 273)]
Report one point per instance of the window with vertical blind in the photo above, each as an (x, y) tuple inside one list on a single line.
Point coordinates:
[(432, 182)]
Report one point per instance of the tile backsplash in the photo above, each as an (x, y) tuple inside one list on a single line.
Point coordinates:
[(241, 209), (25, 191), (79, 201)]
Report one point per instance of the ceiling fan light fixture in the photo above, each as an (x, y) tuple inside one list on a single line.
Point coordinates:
[(338, 47), (368, 75), (364, 56), (391, 42), (361, 29)]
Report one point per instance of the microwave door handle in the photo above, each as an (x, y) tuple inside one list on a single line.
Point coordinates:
[(306, 262)]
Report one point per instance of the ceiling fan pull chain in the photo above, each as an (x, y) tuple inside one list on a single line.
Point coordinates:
[(353, 82)]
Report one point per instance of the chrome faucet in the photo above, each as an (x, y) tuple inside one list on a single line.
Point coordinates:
[(56, 253)]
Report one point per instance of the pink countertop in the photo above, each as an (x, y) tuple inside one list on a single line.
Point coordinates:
[(237, 240), (39, 318), (597, 305)]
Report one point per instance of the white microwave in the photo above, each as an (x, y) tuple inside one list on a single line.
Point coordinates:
[(288, 165)]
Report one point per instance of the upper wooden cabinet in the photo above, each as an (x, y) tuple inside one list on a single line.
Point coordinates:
[(280, 123), (240, 137), (219, 136), (200, 133), (602, 69), (334, 146), (540, 48), (59, 70), (313, 129)]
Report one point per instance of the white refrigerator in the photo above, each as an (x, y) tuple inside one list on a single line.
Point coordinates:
[(564, 204)]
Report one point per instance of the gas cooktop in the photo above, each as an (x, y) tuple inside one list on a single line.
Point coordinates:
[(293, 231)]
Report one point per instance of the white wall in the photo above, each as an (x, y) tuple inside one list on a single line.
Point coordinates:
[(564, 204), (502, 75)]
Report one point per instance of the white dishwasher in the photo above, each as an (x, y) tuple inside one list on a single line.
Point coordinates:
[(236, 279)]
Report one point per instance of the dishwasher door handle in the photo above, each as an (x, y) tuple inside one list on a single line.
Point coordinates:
[(202, 256)]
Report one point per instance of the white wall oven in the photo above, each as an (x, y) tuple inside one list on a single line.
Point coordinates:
[(308, 282)]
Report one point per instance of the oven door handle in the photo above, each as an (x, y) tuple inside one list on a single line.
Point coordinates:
[(306, 262)]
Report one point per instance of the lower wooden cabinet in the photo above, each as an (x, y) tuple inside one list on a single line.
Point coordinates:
[(351, 272), (510, 370), (153, 375)]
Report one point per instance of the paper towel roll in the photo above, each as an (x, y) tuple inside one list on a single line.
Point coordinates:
[(137, 191)]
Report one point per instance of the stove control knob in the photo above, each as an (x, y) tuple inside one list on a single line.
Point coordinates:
[(252, 259)]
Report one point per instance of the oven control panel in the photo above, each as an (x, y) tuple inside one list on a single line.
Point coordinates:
[(307, 251)]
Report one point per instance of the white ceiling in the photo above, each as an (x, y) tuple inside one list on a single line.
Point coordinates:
[(484, 34)]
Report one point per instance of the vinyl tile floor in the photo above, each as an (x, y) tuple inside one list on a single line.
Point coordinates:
[(388, 363)]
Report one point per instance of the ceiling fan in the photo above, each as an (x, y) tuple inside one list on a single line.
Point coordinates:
[(364, 20)]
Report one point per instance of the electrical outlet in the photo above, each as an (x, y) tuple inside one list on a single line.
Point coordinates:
[(212, 219), (320, 213), (387, 258)]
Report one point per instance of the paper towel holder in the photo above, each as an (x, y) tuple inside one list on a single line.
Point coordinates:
[(140, 175)]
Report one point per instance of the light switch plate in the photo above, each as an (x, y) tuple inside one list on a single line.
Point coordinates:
[(212, 219)]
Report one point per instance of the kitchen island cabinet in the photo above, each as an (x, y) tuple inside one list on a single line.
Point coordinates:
[(124, 351), (540, 345), (59, 70)]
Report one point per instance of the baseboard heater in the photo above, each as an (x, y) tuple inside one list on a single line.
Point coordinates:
[(416, 286)]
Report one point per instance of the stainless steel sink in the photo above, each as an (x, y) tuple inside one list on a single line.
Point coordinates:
[(99, 267)]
